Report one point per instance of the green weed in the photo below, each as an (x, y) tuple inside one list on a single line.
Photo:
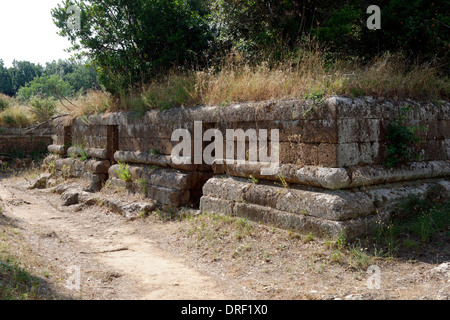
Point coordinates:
[(124, 172)]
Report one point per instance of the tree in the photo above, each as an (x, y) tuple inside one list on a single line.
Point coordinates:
[(6, 86), (83, 77), (132, 41), (420, 27), (256, 25), (45, 87), (59, 68), (79, 74), (23, 72)]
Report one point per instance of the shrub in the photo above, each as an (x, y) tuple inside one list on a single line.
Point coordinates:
[(16, 116), (43, 108), (4, 102), (46, 87), (401, 140)]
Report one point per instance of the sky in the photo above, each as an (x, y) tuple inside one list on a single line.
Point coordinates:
[(27, 32)]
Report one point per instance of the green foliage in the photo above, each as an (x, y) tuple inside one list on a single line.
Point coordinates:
[(143, 185), (255, 26), (80, 75), (6, 86), (283, 180), (23, 72), (62, 77), (59, 68), (253, 179), (83, 154), (9, 119), (17, 283), (341, 23), (401, 139), (43, 108), (139, 38), (46, 87), (316, 96), (341, 240), (418, 26), (166, 214), (4, 167), (342, 29), (175, 91), (83, 78), (124, 172), (416, 221)]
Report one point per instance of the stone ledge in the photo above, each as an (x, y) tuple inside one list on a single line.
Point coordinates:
[(140, 157), (341, 178), (161, 177), (56, 149), (334, 205), (353, 211), (162, 195), (282, 219), (92, 152), (334, 107)]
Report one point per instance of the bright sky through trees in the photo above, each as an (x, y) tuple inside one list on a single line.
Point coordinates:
[(27, 32)]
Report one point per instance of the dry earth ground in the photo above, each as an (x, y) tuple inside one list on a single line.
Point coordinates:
[(168, 256)]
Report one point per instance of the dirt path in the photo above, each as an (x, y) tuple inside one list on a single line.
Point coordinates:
[(205, 257), (115, 260)]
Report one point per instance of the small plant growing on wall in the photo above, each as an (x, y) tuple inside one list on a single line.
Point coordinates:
[(124, 172), (317, 98), (253, 179), (283, 180), (155, 152), (401, 140), (83, 154), (143, 185)]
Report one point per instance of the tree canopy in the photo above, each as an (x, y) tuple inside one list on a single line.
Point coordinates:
[(131, 41), (6, 85), (419, 26), (62, 77)]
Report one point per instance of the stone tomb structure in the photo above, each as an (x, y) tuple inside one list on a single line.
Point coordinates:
[(330, 178), (22, 142)]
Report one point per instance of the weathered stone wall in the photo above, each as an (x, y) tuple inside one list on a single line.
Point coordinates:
[(354, 212), (333, 148), (14, 141), (338, 132)]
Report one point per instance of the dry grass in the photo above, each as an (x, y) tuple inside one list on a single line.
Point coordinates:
[(390, 76), (306, 75), (14, 114), (90, 103), (239, 81)]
